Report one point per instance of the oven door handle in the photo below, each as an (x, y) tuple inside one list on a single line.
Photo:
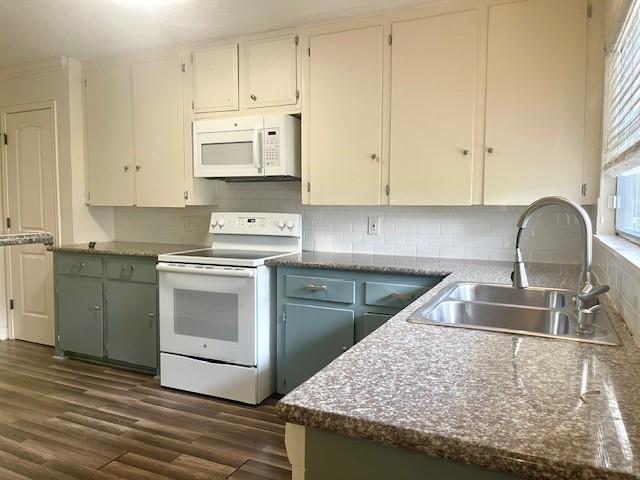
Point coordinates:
[(161, 267)]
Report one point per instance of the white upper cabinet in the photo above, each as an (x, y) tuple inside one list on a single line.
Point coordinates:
[(268, 74), (215, 78), (344, 117), (158, 145), (108, 135), (535, 116), (433, 85)]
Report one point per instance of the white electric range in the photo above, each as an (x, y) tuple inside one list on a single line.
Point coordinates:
[(217, 311)]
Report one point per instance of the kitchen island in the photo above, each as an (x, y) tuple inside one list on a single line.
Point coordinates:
[(425, 401)]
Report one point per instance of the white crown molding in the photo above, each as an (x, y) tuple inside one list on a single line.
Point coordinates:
[(33, 68)]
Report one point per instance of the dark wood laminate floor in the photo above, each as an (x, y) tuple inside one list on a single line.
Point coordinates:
[(65, 420)]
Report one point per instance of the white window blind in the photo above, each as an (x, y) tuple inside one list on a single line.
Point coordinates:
[(622, 129)]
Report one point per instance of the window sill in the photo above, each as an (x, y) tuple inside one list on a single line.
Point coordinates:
[(626, 249)]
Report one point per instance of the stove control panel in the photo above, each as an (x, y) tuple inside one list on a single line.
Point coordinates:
[(243, 223)]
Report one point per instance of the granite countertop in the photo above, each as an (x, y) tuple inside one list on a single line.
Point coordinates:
[(134, 249), (536, 407), (8, 239)]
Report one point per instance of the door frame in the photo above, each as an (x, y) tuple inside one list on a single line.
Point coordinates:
[(4, 178)]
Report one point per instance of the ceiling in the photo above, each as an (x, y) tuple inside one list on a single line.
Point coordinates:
[(37, 29)]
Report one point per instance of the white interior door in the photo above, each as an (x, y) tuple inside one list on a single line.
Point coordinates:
[(31, 192)]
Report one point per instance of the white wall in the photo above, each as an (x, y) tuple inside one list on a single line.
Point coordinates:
[(476, 232)]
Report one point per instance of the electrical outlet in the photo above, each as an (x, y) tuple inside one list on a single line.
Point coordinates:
[(188, 224), (373, 227)]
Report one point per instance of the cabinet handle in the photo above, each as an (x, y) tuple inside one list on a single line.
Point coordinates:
[(81, 265), (316, 288), (253, 97), (96, 308), (138, 167), (126, 168), (401, 296), (344, 349), (151, 315), (127, 267), (374, 156), (490, 149), (465, 152)]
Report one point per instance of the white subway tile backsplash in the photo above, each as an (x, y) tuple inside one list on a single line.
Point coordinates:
[(479, 232)]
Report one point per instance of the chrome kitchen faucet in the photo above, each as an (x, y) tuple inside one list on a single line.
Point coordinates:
[(586, 300)]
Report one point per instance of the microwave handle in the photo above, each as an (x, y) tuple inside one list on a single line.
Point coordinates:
[(257, 149)]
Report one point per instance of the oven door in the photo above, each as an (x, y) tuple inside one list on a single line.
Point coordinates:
[(208, 312), (228, 148)]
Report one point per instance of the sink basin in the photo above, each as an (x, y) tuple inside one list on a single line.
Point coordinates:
[(504, 294), (544, 312), (501, 317)]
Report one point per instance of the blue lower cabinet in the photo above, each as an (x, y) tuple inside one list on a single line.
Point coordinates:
[(324, 312), (313, 337)]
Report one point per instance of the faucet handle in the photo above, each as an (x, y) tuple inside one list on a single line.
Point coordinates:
[(593, 294)]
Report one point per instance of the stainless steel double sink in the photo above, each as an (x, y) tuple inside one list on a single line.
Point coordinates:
[(542, 312)]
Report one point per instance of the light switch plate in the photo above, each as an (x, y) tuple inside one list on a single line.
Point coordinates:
[(373, 226)]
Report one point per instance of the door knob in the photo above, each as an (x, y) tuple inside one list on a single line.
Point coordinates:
[(465, 152), (373, 156), (490, 149), (126, 168), (253, 97), (138, 167)]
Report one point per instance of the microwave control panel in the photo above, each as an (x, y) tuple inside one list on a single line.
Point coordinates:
[(272, 147)]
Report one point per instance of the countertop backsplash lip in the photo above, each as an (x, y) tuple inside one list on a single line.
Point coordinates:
[(555, 430)]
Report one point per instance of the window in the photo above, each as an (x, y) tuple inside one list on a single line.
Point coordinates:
[(622, 123), (628, 212)]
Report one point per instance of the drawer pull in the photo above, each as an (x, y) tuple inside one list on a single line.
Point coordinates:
[(127, 267), (96, 308), (80, 265), (402, 297), (316, 288)]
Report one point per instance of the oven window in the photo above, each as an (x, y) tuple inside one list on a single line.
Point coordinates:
[(233, 153), (206, 314)]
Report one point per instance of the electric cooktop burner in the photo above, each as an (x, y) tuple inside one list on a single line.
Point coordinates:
[(226, 253)]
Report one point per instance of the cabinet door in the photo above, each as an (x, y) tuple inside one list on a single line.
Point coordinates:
[(536, 77), (79, 314), (159, 150), (269, 72), (108, 134), (433, 77), (131, 319), (370, 322), (215, 79), (314, 336), (345, 117)]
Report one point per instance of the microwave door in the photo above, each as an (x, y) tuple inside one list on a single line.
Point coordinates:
[(227, 154)]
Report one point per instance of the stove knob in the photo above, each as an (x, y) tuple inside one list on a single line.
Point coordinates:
[(214, 222), (290, 224), (281, 224), (221, 222)]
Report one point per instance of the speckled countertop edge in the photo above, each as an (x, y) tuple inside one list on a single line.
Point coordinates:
[(130, 249), (309, 405), (27, 238)]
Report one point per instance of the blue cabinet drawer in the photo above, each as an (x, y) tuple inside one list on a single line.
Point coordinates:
[(82, 265), (320, 288), (131, 269), (392, 294)]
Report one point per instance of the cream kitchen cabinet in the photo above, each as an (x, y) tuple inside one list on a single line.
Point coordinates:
[(134, 132), (535, 117), (269, 71), (433, 90), (109, 136), (158, 142), (215, 78), (343, 121)]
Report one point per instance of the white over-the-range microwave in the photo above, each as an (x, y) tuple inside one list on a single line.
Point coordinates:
[(256, 147)]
